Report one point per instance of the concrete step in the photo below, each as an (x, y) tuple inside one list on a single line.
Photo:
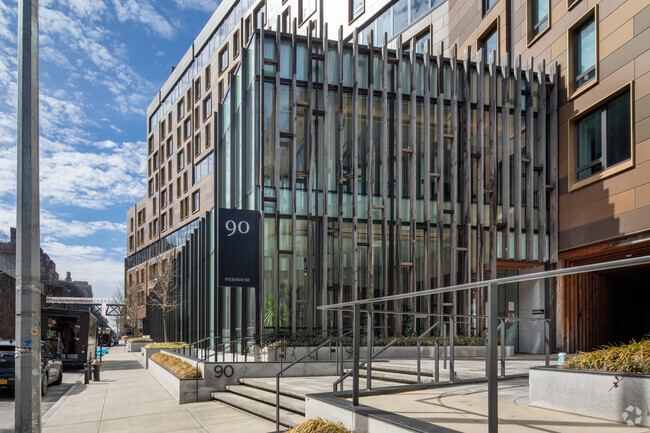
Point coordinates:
[(269, 385), (425, 373), (390, 376), (262, 410), (268, 397)]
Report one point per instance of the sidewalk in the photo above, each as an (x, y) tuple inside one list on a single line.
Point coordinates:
[(129, 399)]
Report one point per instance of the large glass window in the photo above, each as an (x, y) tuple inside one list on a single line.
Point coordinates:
[(603, 137), (539, 16), (487, 5), (400, 15), (422, 42), (585, 53)]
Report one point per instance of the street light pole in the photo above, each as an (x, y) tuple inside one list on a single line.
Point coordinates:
[(28, 266)]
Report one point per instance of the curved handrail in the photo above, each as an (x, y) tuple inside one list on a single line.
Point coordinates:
[(279, 373), (346, 375)]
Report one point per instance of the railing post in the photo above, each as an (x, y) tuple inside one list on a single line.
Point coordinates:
[(452, 336), (277, 402), (444, 343), (503, 348), (493, 383), (369, 338), (547, 343), (436, 367), (418, 359), (356, 339)]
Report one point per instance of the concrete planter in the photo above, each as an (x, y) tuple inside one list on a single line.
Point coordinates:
[(276, 354), (135, 347), (183, 390), (592, 393), (145, 355)]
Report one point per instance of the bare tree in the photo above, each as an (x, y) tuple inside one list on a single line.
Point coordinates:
[(164, 294), (128, 318)]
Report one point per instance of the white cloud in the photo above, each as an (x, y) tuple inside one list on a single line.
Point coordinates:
[(101, 268), (142, 11)]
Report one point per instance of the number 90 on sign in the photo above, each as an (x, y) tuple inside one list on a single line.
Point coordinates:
[(223, 371), (233, 227)]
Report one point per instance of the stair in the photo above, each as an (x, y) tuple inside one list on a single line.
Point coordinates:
[(257, 408), (403, 374), (254, 399)]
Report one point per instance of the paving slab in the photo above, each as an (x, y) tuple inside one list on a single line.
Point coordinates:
[(464, 409), (129, 399)]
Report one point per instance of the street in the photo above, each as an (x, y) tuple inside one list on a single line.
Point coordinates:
[(54, 393)]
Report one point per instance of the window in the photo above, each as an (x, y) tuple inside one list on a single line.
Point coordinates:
[(187, 129), (163, 198), (178, 187), (171, 192), (286, 20), (169, 170), (150, 230), (356, 8), (260, 16), (490, 43), (421, 43), (169, 122), (223, 59), (603, 136), (131, 221), (189, 99), (154, 206), (305, 9), (195, 201), (150, 145), (207, 107), (155, 227), (131, 246), (162, 174), (583, 52), (171, 217), (203, 169), (247, 29), (538, 18), (487, 5), (207, 136), (197, 89), (163, 222), (155, 161), (150, 187), (197, 112), (208, 77), (235, 44), (180, 109), (170, 147), (180, 161), (185, 182), (163, 130), (197, 144), (220, 91)]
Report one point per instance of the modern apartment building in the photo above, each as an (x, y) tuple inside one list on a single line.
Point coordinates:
[(574, 189)]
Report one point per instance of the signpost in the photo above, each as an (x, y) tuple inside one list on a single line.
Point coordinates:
[(238, 248)]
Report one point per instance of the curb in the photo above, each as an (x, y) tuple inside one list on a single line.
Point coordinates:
[(59, 402)]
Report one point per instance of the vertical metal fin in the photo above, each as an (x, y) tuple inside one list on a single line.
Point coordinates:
[(324, 168), (440, 181), (492, 172), (427, 180), (505, 157), (530, 155), (517, 159), (541, 154)]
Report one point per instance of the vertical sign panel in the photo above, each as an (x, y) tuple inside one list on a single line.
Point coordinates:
[(238, 248)]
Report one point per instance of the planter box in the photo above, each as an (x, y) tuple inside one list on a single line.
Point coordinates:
[(145, 355), (135, 347), (273, 354), (183, 390), (592, 393)]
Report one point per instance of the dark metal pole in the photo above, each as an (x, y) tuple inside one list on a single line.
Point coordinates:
[(356, 340), (493, 420), (369, 338), (28, 268)]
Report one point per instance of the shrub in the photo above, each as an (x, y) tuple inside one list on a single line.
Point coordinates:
[(168, 345), (319, 425), (140, 340), (633, 357), (177, 367)]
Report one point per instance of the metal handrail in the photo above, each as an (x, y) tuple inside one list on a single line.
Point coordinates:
[(492, 321), (346, 375), (279, 373)]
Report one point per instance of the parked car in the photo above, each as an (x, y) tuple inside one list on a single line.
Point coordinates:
[(51, 366)]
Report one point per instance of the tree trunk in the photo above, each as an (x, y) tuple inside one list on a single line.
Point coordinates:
[(165, 326)]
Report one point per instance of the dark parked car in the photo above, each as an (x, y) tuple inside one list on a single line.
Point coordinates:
[(51, 366)]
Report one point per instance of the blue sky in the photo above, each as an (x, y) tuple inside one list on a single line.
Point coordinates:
[(101, 63)]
